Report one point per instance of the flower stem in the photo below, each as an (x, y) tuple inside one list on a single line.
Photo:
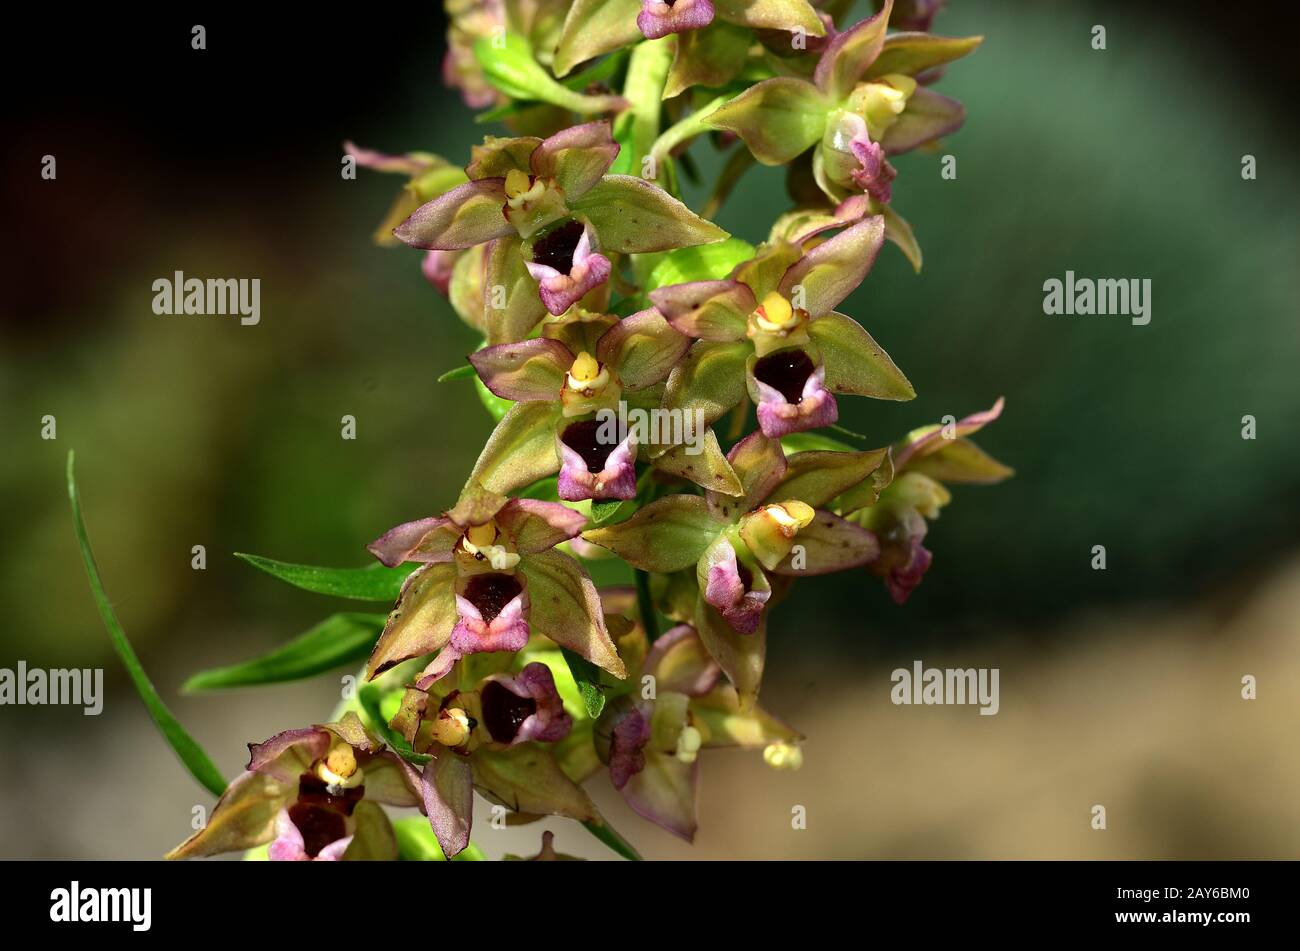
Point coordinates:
[(645, 604)]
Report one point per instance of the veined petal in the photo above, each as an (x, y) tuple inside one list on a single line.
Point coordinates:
[(787, 15), (761, 464), (244, 817), (467, 215), (426, 540), (928, 116), (664, 792), (818, 476), (777, 118), (709, 310), (669, 534), (855, 363), (449, 798), (833, 269), (631, 215), (913, 53), (537, 526), (740, 656), (422, 621), (576, 157), (642, 348), (710, 379), (829, 544), (659, 18), (931, 439), (678, 662), (528, 370), (566, 608), (521, 449), (848, 56), (504, 266), (593, 27), (287, 754), (527, 779)]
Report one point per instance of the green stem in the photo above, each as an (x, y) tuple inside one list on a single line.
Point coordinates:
[(647, 71), (645, 604), (688, 128)]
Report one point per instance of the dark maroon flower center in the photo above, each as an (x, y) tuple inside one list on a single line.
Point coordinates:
[(320, 815), (491, 592), (555, 248), (583, 438), (504, 711), (786, 371), (746, 576)]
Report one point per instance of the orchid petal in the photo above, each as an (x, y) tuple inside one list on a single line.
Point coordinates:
[(449, 798), (566, 608), (528, 370), (632, 215), (831, 271), (669, 534), (709, 310), (467, 215), (421, 622), (855, 363)]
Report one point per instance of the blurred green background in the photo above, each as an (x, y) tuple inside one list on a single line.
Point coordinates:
[(189, 431)]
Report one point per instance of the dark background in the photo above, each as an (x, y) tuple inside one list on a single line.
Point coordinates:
[(225, 162)]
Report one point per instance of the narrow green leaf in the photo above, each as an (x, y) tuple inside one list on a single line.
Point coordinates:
[(459, 373), (609, 835), (340, 639), (587, 676), (191, 754), (368, 583)]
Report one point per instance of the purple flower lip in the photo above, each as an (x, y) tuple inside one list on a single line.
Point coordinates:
[(524, 707), (565, 268), (792, 394), (628, 740), (309, 833), (875, 174), (593, 469), (493, 615), (730, 589), (658, 18)]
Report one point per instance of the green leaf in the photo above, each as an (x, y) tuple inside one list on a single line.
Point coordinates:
[(368, 583), (705, 262), (191, 754), (336, 641), (459, 373), (610, 836), (587, 676)]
